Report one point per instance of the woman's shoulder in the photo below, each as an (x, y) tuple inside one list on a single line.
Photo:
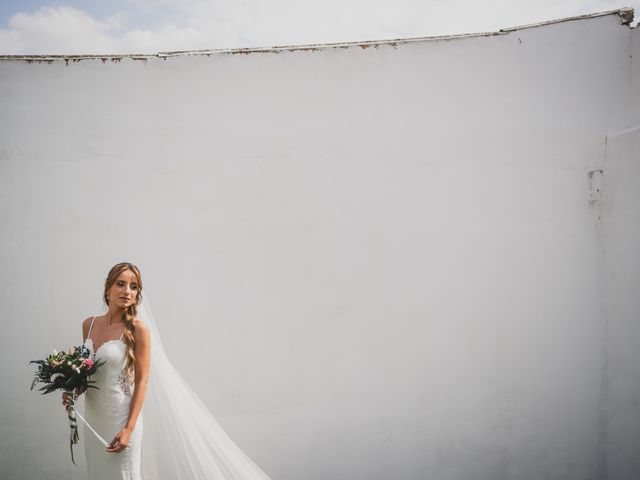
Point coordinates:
[(86, 325), (140, 328), (138, 323)]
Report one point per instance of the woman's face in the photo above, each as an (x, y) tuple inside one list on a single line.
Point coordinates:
[(124, 290)]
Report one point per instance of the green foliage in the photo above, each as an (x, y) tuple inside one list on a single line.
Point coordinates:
[(65, 370)]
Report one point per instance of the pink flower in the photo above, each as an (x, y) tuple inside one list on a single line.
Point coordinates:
[(88, 362)]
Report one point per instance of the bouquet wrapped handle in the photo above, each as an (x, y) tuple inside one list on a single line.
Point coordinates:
[(74, 437)]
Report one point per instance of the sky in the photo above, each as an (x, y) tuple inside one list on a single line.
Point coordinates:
[(151, 26)]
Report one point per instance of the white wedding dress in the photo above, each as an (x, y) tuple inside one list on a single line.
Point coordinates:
[(107, 411)]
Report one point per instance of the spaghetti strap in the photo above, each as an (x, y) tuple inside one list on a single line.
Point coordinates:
[(89, 334), (90, 328), (121, 335)]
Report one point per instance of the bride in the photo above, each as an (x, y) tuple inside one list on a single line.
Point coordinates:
[(181, 437)]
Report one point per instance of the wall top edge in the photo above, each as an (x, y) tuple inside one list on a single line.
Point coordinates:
[(626, 15)]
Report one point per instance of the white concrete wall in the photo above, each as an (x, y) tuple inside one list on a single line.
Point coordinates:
[(621, 240), (384, 258)]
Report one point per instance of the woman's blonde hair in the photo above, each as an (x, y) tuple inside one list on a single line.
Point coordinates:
[(128, 315)]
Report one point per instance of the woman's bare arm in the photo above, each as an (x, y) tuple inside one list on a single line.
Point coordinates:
[(86, 323), (142, 365)]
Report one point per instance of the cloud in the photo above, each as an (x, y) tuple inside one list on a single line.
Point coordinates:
[(208, 24), (58, 30)]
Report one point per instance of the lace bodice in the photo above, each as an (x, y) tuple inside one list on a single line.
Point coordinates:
[(111, 376)]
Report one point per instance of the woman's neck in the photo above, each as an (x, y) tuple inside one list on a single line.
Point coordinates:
[(114, 315)]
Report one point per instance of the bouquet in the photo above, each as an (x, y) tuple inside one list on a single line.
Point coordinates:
[(68, 371)]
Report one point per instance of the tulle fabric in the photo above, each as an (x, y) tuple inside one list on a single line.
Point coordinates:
[(182, 439)]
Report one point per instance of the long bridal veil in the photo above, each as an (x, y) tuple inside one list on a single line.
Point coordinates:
[(181, 439)]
